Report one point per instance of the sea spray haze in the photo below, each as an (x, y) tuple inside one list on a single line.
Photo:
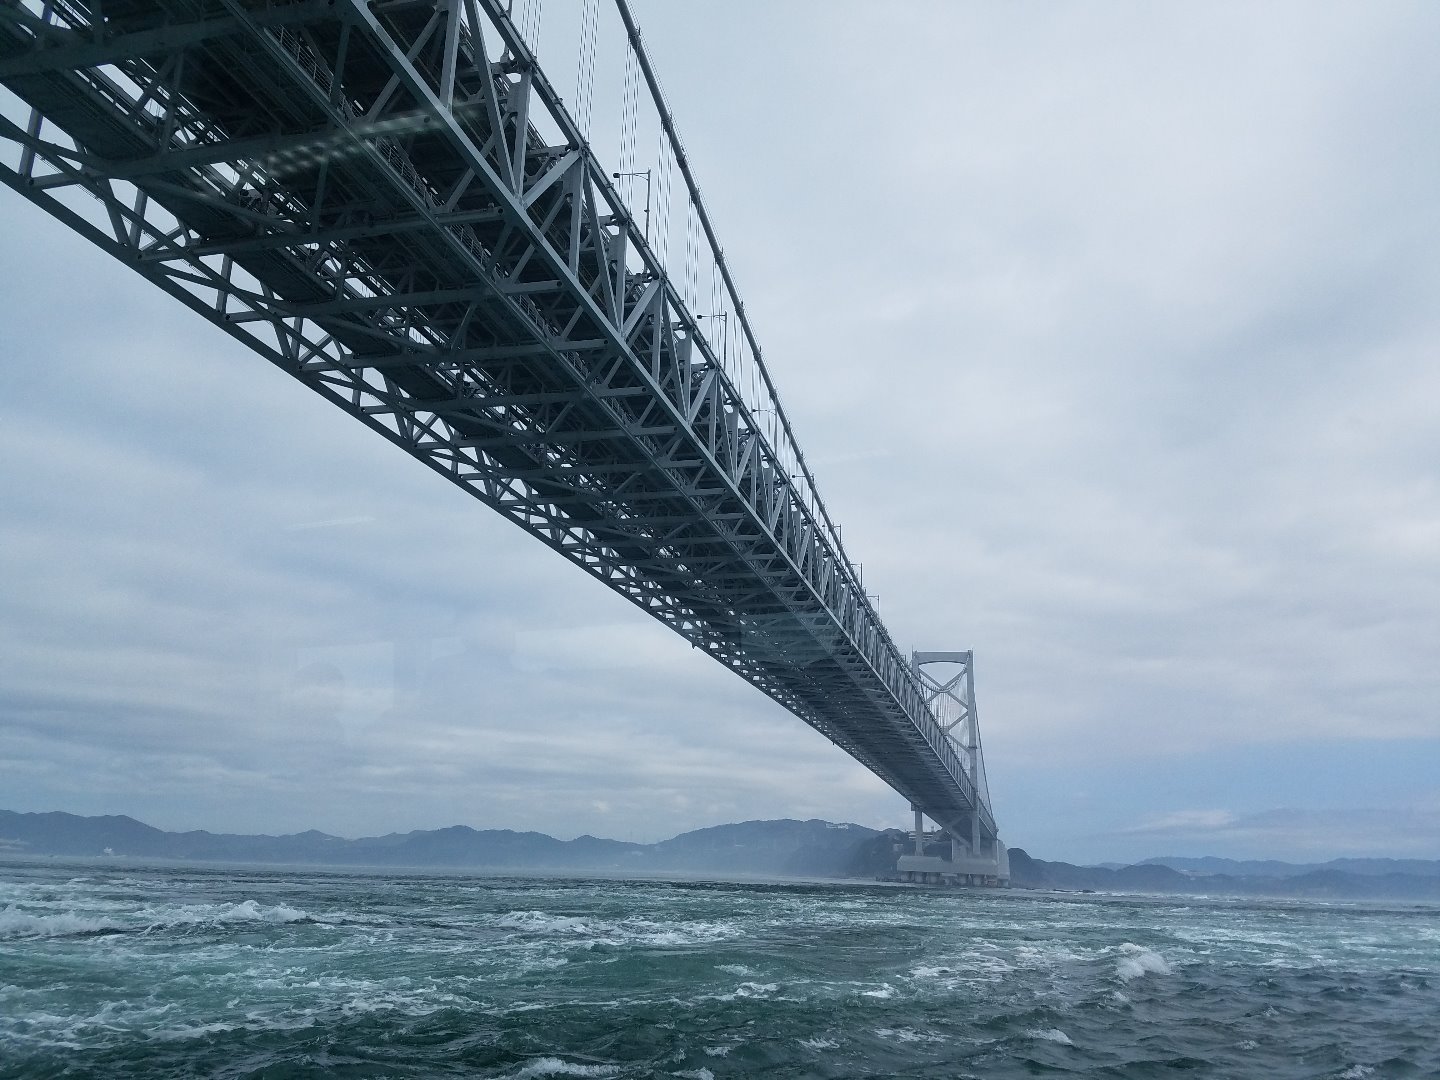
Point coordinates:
[(118, 970)]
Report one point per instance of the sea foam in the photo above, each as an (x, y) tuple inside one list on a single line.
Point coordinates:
[(553, 1066), (23, 924), (589, 932), (908, 1035), (750, 990), (1137, 961), (819, 1044), (251, 911), (1054, 1035), (17, 923)]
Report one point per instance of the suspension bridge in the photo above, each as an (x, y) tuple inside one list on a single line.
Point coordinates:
[(392, 202)]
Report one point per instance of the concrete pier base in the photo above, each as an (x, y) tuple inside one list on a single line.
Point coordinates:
[(959, 869)]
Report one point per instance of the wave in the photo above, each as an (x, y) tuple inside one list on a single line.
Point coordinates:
[(415, 974), (545, 923), (1139, 961), (749, 990), (38, 1028), (819, 1044), (908, 1035), (981, 967), (16, 923), (200, 1029), (24, 924), (122, 1022), (589, 932), (553, 1066), (1054, 1035), (244, 911)]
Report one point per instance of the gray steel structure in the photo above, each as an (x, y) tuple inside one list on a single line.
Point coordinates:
[(947, 681), (366, 195)]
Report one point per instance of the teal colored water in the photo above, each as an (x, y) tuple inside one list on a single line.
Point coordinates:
[(114, 970)]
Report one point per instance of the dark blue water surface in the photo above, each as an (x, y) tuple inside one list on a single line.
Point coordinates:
[(110, 969)]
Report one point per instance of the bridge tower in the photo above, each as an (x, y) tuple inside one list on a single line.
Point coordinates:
[(947, 681)]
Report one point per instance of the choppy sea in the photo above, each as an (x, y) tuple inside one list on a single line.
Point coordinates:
[(110, 969)]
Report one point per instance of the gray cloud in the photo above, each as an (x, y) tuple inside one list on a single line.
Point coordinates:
[(1300, 833)]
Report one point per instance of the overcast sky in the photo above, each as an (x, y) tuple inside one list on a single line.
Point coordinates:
[(1112, 332)]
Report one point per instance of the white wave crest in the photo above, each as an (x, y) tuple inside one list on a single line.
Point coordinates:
[(1137, 961), (552, 1066), (168, 916), (885, 990), (1054, 1035), (17, 923), (23, 924), (544, 923), (928, 971), (819, 1044), (1050, 954), (588, 932), (908, 1035), (696, 1074), (251, 911), (198, 1029), (751, 990)]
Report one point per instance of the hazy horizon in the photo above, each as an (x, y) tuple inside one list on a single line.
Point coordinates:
[(567, 837)]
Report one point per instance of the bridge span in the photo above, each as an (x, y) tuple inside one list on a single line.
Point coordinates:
[(391, 202)]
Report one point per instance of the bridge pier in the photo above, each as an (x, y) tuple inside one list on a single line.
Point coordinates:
[(970, 862), (960, 868)]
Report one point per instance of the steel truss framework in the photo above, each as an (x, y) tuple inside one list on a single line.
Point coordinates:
[(357, 192), (947, 681)]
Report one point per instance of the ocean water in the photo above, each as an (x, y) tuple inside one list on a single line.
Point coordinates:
[(109, 969)]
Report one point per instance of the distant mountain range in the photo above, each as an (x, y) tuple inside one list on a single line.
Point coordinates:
[(1356, 879), (1271, 868), (784, 848)]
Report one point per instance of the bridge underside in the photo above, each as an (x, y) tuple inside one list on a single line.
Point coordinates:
[(357, 192)]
